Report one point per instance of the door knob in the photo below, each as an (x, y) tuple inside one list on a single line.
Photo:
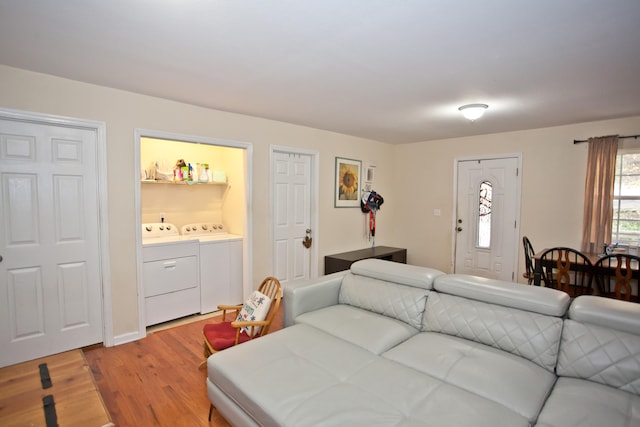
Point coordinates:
[(307, 239)]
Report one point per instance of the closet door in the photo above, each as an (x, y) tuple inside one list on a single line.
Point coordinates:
[(291, 174), (50, 279)]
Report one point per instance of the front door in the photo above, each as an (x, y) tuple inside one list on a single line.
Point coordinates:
[(292, 230), (50, 278), (487, 208)]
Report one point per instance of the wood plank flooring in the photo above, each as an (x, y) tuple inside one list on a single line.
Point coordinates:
[(76, 397), (156, 381)]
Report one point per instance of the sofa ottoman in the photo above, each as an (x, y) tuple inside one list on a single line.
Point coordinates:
[(302, 376)]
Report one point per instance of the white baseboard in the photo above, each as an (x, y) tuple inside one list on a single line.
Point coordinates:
[(129, 337)]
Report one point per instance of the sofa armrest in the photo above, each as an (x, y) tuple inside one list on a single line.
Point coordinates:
[(309, 295)]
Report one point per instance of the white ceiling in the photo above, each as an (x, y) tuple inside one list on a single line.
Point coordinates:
[(389, 70)]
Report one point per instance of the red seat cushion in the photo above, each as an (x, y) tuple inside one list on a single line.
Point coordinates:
[(222, 335)]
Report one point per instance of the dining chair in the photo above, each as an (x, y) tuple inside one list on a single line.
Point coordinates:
[(617, 276), (528, 259), (567, 270)]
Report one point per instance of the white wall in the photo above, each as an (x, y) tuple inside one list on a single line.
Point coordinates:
[(553, 174), (414, 179), (340, 229)]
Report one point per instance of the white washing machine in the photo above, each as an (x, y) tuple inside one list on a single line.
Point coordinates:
[(220, 264), (171, 273)]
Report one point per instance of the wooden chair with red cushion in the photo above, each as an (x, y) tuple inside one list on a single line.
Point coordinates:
[(220, 336)]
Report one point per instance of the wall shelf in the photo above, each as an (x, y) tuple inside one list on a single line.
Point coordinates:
[(154, 182)]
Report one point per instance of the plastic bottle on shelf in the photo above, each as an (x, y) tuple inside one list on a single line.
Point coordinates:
[(204, 172)]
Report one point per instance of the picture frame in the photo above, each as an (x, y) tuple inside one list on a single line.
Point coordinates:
[(348, 176), (370, 175)]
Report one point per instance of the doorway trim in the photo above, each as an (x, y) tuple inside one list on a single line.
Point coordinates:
[(516, 245), (100, 128), (313, 200), (247, 247)]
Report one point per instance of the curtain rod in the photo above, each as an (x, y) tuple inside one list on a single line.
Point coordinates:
[(577, 141)]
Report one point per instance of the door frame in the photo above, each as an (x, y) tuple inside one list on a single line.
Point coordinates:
[(313, 200), (247, 241), (516, 245), (100, 128)]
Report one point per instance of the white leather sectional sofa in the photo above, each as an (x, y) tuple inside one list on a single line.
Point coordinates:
[(389, 344)]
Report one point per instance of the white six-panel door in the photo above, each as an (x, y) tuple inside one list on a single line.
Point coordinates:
[(50, 279), (292, 215)]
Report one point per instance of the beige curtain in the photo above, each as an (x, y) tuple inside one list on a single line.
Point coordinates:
[(598, 193)]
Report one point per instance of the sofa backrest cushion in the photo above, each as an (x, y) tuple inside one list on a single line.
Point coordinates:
[(601, 343), (404, 274), (606, 312), (516, 295), (464, 312), (395, 290), (400, 302)]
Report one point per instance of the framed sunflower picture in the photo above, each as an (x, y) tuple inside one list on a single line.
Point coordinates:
[(348, 175)]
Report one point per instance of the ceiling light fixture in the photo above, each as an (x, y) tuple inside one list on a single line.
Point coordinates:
[(473, 111)]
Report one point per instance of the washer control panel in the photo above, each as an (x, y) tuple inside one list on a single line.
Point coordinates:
[(203, 229), (159, 229)]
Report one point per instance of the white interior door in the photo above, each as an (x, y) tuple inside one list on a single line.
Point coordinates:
[(291, 174), (50, 279), (488, 198)]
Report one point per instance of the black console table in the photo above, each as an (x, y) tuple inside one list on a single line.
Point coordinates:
[(343, 261)]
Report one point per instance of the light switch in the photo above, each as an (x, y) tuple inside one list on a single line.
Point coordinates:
[(436, 212)]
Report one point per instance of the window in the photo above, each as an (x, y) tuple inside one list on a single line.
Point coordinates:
[(484, 215), (626, 198)]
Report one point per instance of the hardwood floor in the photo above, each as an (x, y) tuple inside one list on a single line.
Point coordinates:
[(76, 401), (156, 381)]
